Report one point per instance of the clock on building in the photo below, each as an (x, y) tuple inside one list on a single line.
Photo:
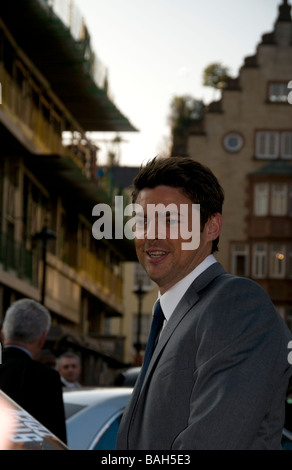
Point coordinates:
[(233, 142)]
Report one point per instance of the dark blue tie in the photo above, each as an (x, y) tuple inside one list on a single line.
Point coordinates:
[(156, 326)]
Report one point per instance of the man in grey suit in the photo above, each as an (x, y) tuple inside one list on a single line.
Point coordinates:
[(219, 373)]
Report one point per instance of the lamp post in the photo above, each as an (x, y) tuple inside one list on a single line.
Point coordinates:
[(137, 345), (44, 235)]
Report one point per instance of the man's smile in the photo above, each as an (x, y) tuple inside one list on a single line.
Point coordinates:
[(156, 255)]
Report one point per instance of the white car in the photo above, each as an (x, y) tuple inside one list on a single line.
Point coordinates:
[(93, 416)]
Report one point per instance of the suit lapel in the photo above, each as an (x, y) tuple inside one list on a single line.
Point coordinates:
[(187, 302)]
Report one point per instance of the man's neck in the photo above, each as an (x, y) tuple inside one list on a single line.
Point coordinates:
[(28, 348)]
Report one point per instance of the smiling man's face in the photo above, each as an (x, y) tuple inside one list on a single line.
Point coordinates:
[(164, 259)]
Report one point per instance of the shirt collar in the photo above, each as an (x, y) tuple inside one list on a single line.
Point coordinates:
[(170, 299), (70, 384), (19, 347)]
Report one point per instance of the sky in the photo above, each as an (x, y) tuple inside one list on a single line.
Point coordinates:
[(157, 49)]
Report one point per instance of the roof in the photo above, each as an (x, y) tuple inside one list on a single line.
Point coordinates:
[(284, 11), (277, 167), (284, 16), (123, 176), (67, 63)]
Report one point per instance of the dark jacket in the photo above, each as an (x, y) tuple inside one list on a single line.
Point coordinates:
[(35, 387)]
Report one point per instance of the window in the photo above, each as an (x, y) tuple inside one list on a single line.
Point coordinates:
[(277, 260), (279, 199), (259, 266), (240, 259), (290, 200), (261, 199), (272, 260), (272, 199), (274, 144), (267, 144), (278, 92), (286, 144)]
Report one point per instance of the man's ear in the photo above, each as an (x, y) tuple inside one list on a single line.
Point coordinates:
[(214, 226)]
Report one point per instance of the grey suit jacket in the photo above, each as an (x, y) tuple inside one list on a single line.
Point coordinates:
[(219, 374)]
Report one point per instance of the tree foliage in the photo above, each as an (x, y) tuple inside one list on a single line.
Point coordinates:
[(216, 76), (184, 111)]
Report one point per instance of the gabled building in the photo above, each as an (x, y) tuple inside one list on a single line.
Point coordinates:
[(246, 139), (54, 90)]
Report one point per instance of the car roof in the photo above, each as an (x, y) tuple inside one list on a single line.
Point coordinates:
[(89, 396), (127, 377)]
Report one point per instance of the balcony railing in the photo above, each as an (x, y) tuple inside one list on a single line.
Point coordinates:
[(96, 271), (41, 125), (14, 257), (71, 17), (26, 264)]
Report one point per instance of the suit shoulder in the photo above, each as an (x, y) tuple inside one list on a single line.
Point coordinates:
[(241, 284), (44, 372)]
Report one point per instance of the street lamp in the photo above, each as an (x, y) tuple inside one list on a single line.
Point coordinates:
[(44, 235), (140, 292)]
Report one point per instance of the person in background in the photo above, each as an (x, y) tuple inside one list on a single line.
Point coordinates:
[(47, 358), (219, 373), (69, 368), (32, 385)]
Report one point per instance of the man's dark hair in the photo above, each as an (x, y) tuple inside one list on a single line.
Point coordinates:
[(194, 180)]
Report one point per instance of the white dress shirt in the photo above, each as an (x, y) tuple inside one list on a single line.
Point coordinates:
[(170, 299), (70, 384)]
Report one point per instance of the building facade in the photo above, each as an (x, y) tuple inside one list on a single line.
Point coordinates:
[(246, 139), (50, 98)]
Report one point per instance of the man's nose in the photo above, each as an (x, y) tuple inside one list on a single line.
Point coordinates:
[(156, 228)]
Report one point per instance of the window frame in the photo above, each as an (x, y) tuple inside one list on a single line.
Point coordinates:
[(281, 96), (263, 197), (240, 249), (275, 250), (263, 142), (287, 134), (279, 198), (261, 258)]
